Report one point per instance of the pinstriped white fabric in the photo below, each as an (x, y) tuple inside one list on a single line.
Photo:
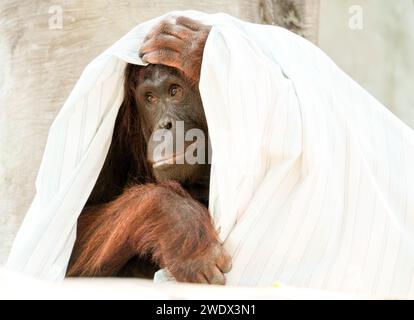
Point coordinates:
[(312, 178), (67, 172)]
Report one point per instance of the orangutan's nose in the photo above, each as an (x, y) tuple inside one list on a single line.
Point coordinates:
[(165, 123)]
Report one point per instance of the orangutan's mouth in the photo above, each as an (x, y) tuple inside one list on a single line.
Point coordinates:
[(174, 159)]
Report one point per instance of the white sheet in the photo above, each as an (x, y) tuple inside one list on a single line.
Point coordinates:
[(312, 178)]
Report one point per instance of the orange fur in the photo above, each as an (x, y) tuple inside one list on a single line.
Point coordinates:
[(157, 220)]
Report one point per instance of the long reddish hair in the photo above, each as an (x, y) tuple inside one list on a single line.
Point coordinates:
[(126, 161)]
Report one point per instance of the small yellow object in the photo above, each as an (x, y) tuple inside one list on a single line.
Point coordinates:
[(276, 284)]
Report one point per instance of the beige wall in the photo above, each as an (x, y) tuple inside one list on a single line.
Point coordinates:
[(381, 55)]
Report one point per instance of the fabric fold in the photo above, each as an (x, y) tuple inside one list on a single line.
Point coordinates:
[(312, 178)]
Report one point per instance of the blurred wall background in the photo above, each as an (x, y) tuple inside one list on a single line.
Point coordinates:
[(379, 52)]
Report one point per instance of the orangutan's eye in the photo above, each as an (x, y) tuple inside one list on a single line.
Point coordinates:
[(150, 98), (176, 91)]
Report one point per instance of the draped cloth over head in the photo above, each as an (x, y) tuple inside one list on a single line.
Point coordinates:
[(312, 179)]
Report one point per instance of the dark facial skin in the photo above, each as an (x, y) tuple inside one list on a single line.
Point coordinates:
[(165, 97)]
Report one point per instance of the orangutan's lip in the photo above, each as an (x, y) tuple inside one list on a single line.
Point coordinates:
[(175, 159), (169, 161)]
